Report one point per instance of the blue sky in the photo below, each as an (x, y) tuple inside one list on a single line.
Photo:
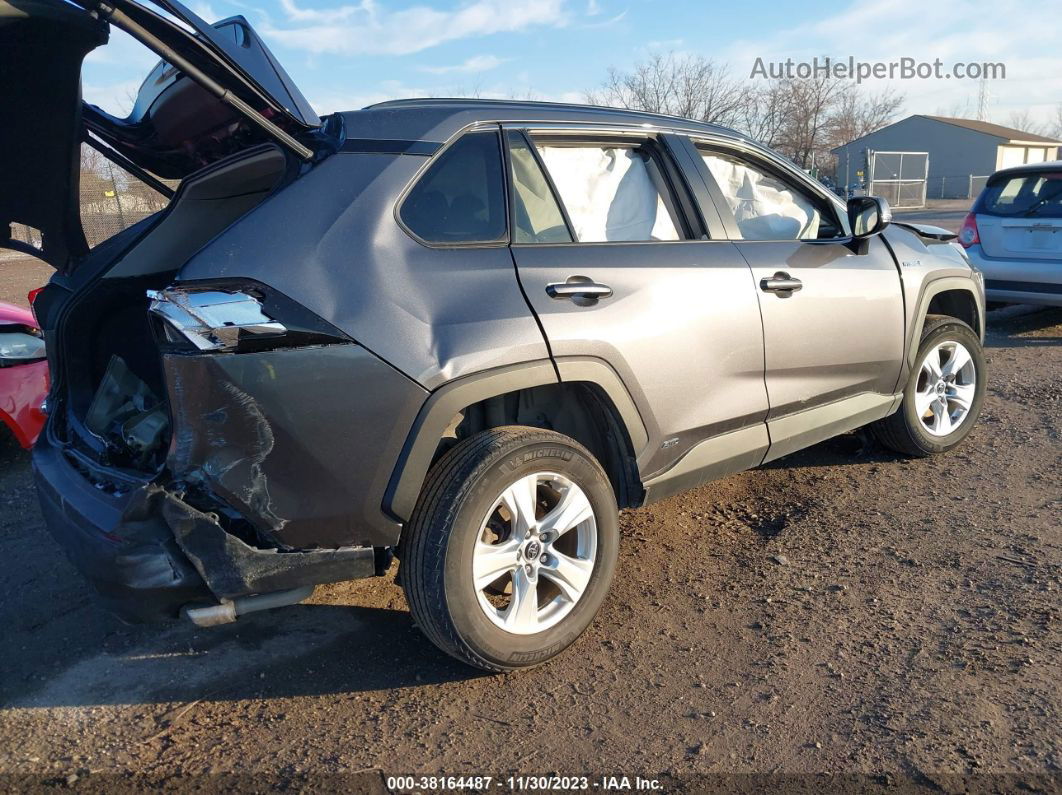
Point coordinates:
[(345, 55)]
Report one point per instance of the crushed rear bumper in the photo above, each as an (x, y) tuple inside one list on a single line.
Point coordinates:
[(273, 481), (148, 552), (118, 542)]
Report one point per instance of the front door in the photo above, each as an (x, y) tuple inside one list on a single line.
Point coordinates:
[(620, 269), (833, 319)]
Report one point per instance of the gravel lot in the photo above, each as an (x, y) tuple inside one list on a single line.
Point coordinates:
[(19, 275), (842, 619), (841, 611)]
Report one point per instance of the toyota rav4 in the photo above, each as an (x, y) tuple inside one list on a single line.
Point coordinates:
[(461, 333)]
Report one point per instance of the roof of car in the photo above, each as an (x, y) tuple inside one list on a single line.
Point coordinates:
[(1047, 165), (437, 119)]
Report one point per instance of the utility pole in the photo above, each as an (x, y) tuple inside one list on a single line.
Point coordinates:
[(982, 100)]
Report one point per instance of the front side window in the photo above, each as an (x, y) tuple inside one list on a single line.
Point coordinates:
[(612, 192), (461, 197), (764, 206)]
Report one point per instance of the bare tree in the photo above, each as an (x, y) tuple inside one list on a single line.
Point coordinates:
[(958, 109), (1056, 123), (802, 118), (811, 101), (690, 86), (858, 113), (1023, 120), (95, 181), (766, 113)]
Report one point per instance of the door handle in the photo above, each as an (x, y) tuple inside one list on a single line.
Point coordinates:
[(581, 290), (781, 283)]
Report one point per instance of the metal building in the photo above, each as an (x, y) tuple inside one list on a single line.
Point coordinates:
[(961, 153)]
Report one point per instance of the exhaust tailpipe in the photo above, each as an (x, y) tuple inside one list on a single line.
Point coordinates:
[(230, 609)]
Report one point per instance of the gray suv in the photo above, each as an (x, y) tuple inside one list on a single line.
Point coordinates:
[(463, 333)]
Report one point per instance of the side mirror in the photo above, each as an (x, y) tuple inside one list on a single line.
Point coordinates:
[(868, 215)]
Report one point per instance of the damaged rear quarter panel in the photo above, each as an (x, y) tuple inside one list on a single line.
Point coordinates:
[(292, 439), (330, 242)]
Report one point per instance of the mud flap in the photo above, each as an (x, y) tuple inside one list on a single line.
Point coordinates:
[(233, 568)]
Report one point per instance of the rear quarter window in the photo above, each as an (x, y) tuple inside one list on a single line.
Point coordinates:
[(1033, 195), (460, 199)]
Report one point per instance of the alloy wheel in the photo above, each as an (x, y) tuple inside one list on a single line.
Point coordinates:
[(947, 384), (535, 553)]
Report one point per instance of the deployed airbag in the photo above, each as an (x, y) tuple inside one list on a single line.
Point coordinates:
[(609, 193), (764, 207)]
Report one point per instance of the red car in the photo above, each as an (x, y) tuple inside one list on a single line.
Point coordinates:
[(23, 373)]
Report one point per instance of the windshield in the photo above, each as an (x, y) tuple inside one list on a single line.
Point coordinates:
[(1024, 195)]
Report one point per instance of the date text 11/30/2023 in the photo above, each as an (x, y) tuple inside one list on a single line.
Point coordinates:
[(605, 783)]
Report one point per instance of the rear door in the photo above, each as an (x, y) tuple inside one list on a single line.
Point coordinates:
[(833, 319), (623, 269)]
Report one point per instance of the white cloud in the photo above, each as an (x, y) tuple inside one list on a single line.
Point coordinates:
[(325, 102), (115, 98), (205, 11), (606, 23), (328, 15), (477, 63), (367, 29), (124, 51)]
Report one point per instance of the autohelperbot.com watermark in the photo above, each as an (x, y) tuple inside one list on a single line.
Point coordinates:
[(851, 68)]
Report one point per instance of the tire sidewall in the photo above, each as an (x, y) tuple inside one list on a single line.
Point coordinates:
[(483, 637), (956, 332)]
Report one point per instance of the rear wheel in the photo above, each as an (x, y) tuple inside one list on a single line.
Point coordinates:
[(944, 392), (511, 547)]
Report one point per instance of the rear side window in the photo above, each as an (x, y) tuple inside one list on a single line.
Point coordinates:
[(1025, 195), (461, 197), (612, 191)]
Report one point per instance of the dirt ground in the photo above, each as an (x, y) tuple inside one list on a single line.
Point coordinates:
[(19, 275), (842, 612)]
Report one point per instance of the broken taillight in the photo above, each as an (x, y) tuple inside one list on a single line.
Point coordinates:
[(213, 319), (235, 317), (31, 296)]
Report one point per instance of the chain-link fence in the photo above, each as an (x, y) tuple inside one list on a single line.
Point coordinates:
[(977, 184), (956, 186), (112, 199), (899, 177)]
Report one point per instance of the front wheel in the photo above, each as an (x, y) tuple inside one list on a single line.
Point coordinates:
[(511, 547), (944, 392)]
